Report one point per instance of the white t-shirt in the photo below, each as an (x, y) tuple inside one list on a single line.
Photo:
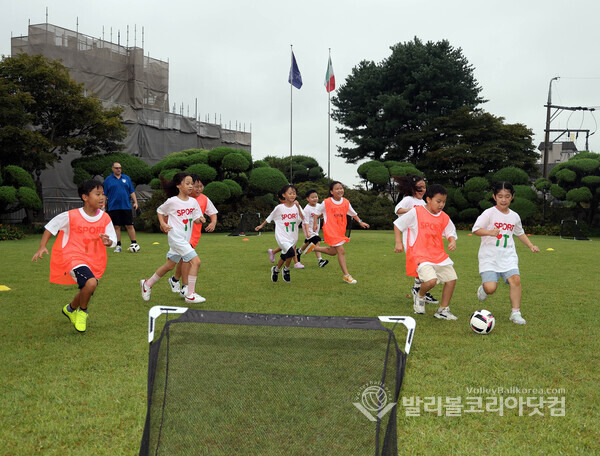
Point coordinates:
[(410, 222), (287, 223), (498, 255), (321, 209), (210, 208), (309, 221), (181, 217), (408, 202), (61, 222)]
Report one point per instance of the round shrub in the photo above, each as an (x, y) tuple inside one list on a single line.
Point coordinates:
[(300, 172), (80, 175), (218, 192), (101, 165), (244, 153), (584, 165), (17, 176), (557, 191), (468, 215), (460, 201), (542, 184), (196, 158), (29, 198), (155, 184), (235, 162), (169, 162), (216, 155), (260, 164), (525, 191), (8, 195), (378, 175), (242, 179), (266, 180), (525, 208), (591, 181), (402, 170), (269, 199), (566, 176), (515, 176), (365, 167), (206, 172), (579, 195), (477, 184), (485, 204), (452, 212), (235, 189), (168, 174)]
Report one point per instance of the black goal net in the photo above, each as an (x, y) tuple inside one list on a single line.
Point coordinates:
[(570, 230), (227, 383), (247, 224)]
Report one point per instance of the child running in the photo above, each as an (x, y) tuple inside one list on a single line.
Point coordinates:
[(287, 217), (79, 252), (497, 254), (413, 187), (311, 232), (181, 211), (334, 210), (425, 254), (208, 208), (276, 250)]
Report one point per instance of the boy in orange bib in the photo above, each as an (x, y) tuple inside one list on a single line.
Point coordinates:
[(79, 252), (425, 254)]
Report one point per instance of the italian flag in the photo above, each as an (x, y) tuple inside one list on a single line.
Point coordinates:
[(329, 78)]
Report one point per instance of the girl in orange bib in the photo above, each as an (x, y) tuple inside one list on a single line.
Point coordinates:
[(79, 252), (334, 210)]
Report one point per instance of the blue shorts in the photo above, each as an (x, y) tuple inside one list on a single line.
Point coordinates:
[(176, 258), (493, 276), (82, 274)]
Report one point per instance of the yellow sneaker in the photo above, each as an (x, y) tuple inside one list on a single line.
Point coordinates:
[(80, 320), (349, 279), (69, 315)]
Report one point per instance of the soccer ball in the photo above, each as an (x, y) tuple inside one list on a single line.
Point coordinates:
[(134, 248), (482, 321)]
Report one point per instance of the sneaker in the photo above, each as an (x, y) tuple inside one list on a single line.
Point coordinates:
[(309, 249), (298, 265), (194, 298), (418, 304), (298, 254), (286, 275), (445, 314), (145, 291), (430, 299), (80, 320), (118, 249), (415, 291), (323, 263), (175, 285), (183, 291), (348, 278), (271, 255), (274, 274), (69, 315), (481, 294), (516, 317)]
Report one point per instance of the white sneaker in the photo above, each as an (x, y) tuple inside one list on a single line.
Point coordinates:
[(445, 314), (298, 265), (516, 317), (194, 298), (118, 249), (481, 294), (183, 291), (175, 286), (419, 304), (145, 291)]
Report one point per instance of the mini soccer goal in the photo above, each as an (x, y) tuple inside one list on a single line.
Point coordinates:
[(224, 383), (570, 230), (247, 224)]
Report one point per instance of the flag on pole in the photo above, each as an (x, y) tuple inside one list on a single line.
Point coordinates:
[(295, 78), (329, 78)]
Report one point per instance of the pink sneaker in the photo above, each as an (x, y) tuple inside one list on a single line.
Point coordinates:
[(271, 255), (298, 266)]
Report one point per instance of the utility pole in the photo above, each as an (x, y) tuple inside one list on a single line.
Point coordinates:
[(547, 135)]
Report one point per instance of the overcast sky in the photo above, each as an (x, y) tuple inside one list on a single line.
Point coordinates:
[(234, 56)]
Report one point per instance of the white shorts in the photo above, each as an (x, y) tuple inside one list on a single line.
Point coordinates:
[(442, 274)]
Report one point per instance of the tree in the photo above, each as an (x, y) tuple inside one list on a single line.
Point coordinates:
[(17, 190), (469, 143), (384, 107), (43, 99), (304, 168)]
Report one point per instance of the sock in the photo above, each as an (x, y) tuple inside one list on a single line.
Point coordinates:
[(133, 241), (515, 311), (174, 279), (286, 268), (69, 308), (191, 285), (276, 269), (84, 310), (152, 280), (119, 243)]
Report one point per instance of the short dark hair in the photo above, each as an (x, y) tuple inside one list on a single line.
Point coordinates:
[(196, 178), (503, 185), (434, 189), (284, 189), (310, 192), (87, 186)]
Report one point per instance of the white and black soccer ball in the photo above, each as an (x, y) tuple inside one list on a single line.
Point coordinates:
[(134, 248), (482, 321)]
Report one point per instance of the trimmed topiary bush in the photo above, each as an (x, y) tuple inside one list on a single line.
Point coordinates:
[(542, 184), (155, 184), (365, 167), (235, 162), (468, 215), (566, 176), (525, 208), (260, 164), (206, 172), (579, 195), (234, 188), (218, 192), (266, 180), (557, 191), (378, 175), (80, 175), (216, 155), (515, 176), (17, 177), (525, 191), (29, 199), (8, 196)]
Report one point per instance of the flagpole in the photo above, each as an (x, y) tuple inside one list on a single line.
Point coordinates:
[(329, 127), (291, 112)]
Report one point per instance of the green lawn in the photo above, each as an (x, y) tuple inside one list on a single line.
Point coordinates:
[(64, 393)]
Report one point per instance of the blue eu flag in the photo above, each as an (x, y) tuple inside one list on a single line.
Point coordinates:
[(295, 78)]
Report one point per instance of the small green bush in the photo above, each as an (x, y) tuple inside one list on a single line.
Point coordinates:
[(266, 180), (206, 172), (584, 165), (542, 184), (525, 191), (155, 184), (468, 215), (580, 195), (235, 162), (515, 176), (80, 175), (591, 181), (8, 195), (477, 184), (365, 167), (17, 177), (29, 199), (566, 176), (525, 208), (168, 174), (378, 175), (260, 164), (218, 192), (216, 155), (557, 191), (10, 233), (234, 188)]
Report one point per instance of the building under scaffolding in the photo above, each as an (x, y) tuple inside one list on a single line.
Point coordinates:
[(123, 76)]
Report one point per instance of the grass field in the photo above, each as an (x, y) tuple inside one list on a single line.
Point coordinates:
[(64, 393)]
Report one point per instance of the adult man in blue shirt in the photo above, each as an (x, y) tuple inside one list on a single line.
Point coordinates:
[(119, 190)]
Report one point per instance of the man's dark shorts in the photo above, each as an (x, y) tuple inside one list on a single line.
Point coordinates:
[(121, 217)]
